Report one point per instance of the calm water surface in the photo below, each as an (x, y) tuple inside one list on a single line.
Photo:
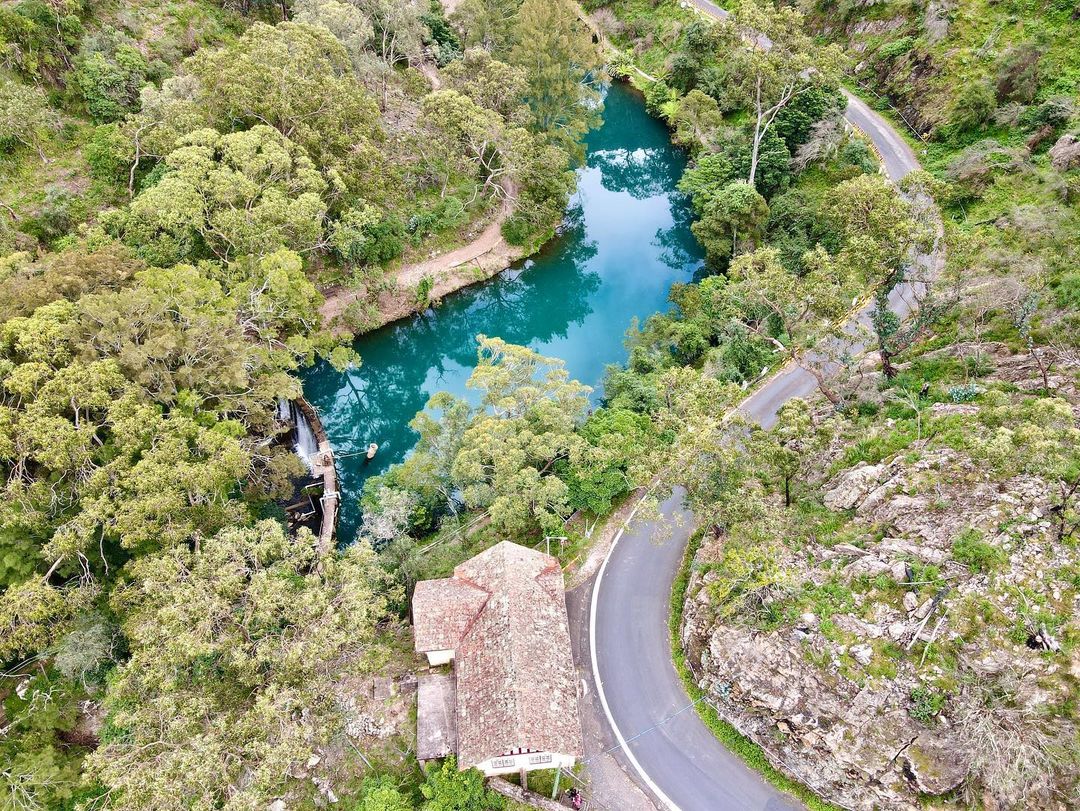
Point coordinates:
[(625, 240)]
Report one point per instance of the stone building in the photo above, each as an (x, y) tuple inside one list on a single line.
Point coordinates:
[(510, 704)]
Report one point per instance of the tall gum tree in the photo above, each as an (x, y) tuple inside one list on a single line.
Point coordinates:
[(778, 61), (559, 59), (881, 233)]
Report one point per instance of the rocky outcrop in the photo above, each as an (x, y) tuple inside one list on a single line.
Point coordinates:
[(903, 668), (936, 20), (843, 742), (855, 485)]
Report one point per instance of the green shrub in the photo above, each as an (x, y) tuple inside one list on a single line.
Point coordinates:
[(1018, 74), (380, 793), (1067, 292), (108, 75), (449, 213), (963, 393), (867, 408), (657, 96), (973, 107), (741, 358), (364, 236), (926, 704), (1054, 112), (447, 789), (857, 153), (517, 231), (970, 549), (423, 291), (109, 153), (443, 41), (898, 47), (795, 122)]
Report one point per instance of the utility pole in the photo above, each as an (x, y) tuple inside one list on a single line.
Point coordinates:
[(549, 538)]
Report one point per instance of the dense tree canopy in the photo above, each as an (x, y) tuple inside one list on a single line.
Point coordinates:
[(297, 79), (236, 649), (190, 175), (249, 192), (501, 455)]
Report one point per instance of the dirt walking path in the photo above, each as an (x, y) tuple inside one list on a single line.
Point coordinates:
[(481, 259)]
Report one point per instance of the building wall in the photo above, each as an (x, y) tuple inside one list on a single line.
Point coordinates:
[(512, 764), (440, 657)]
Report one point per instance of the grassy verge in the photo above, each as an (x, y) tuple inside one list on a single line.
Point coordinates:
[(749, 752)]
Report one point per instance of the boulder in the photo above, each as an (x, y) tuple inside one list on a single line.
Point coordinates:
[(900, 546), (924, 609), (852, 486), (863, 654), (935, 767), (867, 566), (1065, 154), (899, 571), (854, 625)]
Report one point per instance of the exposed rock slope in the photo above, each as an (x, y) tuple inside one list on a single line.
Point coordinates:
[(919, 635)]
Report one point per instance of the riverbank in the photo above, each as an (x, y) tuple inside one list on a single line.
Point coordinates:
[(412, 288)]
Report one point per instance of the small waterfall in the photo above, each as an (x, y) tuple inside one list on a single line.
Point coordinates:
[(305, 444)]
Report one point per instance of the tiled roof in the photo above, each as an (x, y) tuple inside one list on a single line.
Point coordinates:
[(442, 612), (516, 683)]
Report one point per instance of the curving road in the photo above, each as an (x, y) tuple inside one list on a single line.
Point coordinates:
[(620, 618)]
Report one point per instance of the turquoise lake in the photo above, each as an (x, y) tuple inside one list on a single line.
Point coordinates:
[(624, 241)]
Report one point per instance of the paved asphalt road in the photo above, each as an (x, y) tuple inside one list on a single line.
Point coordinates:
[(623, 613)]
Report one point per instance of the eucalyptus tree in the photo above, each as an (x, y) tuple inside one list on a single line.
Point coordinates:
[(299, 80), (25, 117), (491, 83), (132, 418), (791, 448), (489, 24), (248, 192), (352, 27), (529, 412), (776, 61), (239, 646), (502, 456), (732, 219), (474, 140), (798, 314), (560, 60), (880, 233)]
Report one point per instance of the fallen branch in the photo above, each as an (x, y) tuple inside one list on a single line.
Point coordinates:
[(933, 637), (934, 603)]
